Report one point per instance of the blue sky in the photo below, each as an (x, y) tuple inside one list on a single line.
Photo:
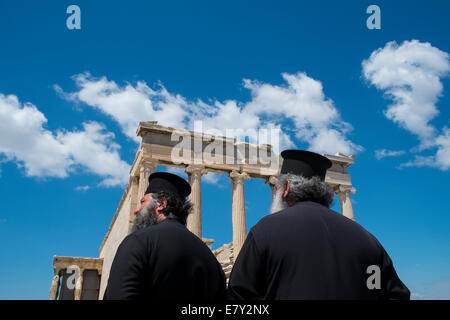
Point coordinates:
[(70, 101)]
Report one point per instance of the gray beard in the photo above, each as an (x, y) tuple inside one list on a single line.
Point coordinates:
[(144, 218), (278, 203)]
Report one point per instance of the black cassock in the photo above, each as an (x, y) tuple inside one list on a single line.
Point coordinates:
[(308, 251), (165, 262)]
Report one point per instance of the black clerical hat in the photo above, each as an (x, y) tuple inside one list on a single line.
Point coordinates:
[(164, 181), (305, 163)]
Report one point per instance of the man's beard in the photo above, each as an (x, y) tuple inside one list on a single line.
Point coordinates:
[(144, 218), (278, 202)]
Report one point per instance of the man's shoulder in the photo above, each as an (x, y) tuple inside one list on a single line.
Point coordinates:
[(305, 215), (169, 230)]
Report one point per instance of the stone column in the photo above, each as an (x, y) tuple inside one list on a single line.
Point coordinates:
[(79, 285), (194, 222), (55, 286), (147, 168), (344, 198), (134, 202), (238, 210), (272, 181)]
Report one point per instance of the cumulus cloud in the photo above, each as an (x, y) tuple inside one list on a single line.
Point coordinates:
[(443, 153), (128, 105), (42, 153), (440, 160), (94, 149), (383, 153), (410, 75), (300, 101)]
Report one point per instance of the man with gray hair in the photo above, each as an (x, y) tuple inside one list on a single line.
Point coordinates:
[(304, 250)]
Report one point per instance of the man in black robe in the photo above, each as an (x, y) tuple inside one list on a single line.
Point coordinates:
[(304, 250), (160, 259)]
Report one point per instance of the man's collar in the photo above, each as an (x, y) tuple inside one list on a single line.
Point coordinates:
[(169, 220), (308, 203)]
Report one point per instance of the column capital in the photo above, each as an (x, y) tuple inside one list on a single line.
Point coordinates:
[(149, 165), (341, 189), (239, 177), (56, 270), (196, 170), (272, 180)]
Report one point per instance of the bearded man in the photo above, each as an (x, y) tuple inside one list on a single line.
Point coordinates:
[(160, 259), (304, 250)]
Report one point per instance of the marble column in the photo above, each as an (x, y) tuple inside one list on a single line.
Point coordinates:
[(194, 222), (238, 210), (79, 285), (344, 198), (134, 199), (55, 286), (147, 168)]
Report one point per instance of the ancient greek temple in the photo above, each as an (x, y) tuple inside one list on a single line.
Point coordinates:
[(78, 278)]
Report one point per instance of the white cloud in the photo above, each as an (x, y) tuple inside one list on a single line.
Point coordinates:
[(443, 153), (96, 151), (417, 296), (442, 158), (316, 119), (212, 178), (420, 161), (128, 105), (332, 141), (410, 74), (382, 153), (82, 188), (24, 139), (302, 100)]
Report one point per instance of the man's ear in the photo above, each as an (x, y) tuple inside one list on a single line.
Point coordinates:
[(162, 204), (286, 190)]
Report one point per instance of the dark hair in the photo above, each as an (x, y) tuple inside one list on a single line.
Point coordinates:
[(177, 208)]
